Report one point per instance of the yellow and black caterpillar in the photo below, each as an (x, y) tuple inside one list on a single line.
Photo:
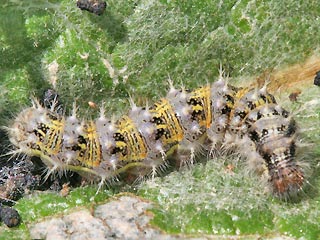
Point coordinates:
[(208, 118)]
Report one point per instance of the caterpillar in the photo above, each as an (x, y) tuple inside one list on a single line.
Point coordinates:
[(180, 125)]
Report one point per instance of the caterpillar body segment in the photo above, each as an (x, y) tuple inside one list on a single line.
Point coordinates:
[(222, 98)]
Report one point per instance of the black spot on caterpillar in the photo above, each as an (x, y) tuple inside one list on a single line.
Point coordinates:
[(140, 142)]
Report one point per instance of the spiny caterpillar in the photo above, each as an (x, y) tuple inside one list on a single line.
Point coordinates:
[(180, 125)]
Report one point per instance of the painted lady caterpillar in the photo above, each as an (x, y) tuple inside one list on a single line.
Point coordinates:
[(184, 121)]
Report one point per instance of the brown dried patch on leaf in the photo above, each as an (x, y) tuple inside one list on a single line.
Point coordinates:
[(292, 76)]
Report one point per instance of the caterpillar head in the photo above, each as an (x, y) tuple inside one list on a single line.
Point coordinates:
[(287, 181), (285, 174)]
